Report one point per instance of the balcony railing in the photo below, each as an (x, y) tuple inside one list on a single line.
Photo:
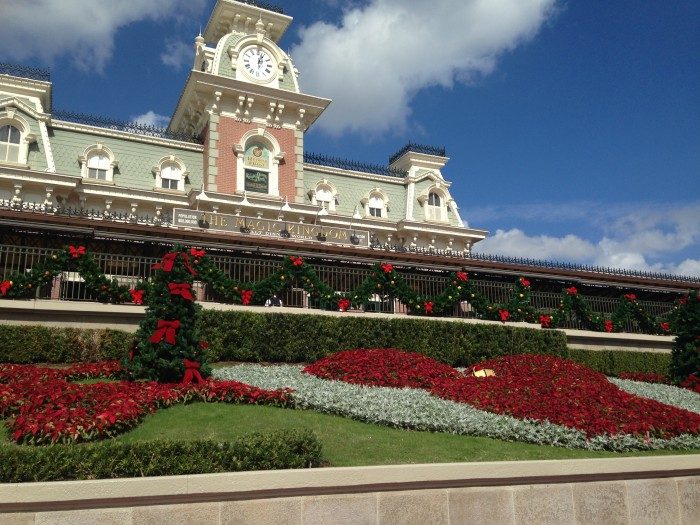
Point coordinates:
[(129, 269), (31, 73)]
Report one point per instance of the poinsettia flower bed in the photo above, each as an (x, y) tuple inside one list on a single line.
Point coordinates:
[(647, 377), (43, 407), (667, 394), (548, 388), (382, 367), (419, 410)]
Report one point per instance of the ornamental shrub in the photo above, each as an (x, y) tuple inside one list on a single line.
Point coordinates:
[(284, 449), (685, 319), (614, 362), (168, 341)]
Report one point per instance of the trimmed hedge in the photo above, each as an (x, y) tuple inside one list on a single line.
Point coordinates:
[(26, 344), (612, 362), (287, 449), (296, 338)]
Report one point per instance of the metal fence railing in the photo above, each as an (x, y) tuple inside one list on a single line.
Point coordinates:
[(342, 276)]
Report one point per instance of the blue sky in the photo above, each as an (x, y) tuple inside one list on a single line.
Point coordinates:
[(573, 128)]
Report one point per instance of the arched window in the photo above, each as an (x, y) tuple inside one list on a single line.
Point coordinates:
[(97, 163), (170, 174), (98, 166), (257, 164), (324, 194), (10, 138), (376, 206), (433, 199)]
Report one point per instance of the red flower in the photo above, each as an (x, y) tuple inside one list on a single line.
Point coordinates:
[(387, 267), (525, 282), (136, 296), (181, 289), (296, 261), (246, 296), (608, 324), (545, 321), (462, 276), (5, 287), (166, 330), (343, 304), (665, 326), (76, 252), (504, 314), (428, 307), (572, 290), (630, 297), (194, 252)]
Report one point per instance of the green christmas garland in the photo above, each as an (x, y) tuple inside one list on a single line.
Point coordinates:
[(384, 281)]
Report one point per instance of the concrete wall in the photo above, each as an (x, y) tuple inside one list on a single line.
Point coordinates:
[(127, 317), (621, 490)]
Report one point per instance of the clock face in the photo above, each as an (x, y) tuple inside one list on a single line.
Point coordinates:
[(258, 63)]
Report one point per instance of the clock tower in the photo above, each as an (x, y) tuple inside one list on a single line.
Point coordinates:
[(242, 97)]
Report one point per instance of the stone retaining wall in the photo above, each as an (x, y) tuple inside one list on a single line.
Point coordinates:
[(620, 490)]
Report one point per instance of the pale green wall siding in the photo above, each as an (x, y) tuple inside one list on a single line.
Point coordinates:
[(135, 158), (352, 189), (225, 69), (287, 81)]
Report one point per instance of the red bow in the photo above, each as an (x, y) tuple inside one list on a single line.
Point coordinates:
[(683, 300), (630, 297), (136, 296), (296, 261), (462, 276), (76, 252), (133, 352), (665, 327), (246, 296), (504, 314), (388, 267), (183, 290), (608, 325), (344, 304), (191, 372), (525, 282), (169, 261), (572, 290), (545, 321), (5, 287), (429, 307), (166, 330), (194, 252)]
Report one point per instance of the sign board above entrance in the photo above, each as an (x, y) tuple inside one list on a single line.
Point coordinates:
[(186, 218)]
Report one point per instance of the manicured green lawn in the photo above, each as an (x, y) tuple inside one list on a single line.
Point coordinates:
[(347, 442)]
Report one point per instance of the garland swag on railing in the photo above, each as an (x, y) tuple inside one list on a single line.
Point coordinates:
[(384, 281)]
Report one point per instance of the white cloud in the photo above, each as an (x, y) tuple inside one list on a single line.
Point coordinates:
[(151, 118), (84, 29), (383, 53), (177, 54), (637, 240)]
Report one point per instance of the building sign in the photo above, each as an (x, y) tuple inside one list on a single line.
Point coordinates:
[(257, 157), (186, 218), (257, 181)]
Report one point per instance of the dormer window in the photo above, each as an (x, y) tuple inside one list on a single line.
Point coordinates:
[(324, 195), (170, 174), (10, 138), (97, 166), (434, 201), (15, 137), (97, 163), (376, 203)]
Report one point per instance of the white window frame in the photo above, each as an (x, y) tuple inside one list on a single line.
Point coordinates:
[(434, 213), (167, 162), (10, 117), (373, 195), (91, 152), (324, 186), (264, 138)]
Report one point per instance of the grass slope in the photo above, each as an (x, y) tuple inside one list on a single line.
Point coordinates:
[(347, 442)]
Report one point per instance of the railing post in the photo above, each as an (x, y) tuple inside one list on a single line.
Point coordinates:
[(56, 287)]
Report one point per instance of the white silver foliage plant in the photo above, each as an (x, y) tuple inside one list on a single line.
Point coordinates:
[(419, 410)]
